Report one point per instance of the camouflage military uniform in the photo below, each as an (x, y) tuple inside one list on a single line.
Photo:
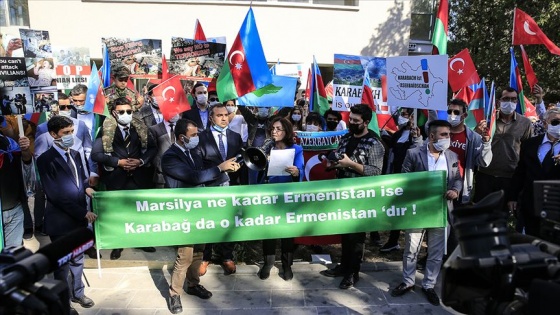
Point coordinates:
[(109, 134), (110, 124)]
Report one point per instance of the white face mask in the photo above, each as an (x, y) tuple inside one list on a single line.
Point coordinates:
[(262, 112), (442, 144), (202, 99), (554, 131), (311, 128), (64, 113), (507, 107), (124, 119), (231, 109), (403, 121), (454, 120), (174, 118), (213, 103), (296, 117)]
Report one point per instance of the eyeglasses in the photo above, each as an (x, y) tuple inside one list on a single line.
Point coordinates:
[(64, 107), (509, 99), (276, 129), (213, 99), (555, 122), (121, 112), (122, 79), (454, 112)]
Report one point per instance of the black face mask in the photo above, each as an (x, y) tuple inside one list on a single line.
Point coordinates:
[(331, 125), (355, 129)]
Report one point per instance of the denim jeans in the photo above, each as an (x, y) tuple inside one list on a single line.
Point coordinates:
[(12, 221)]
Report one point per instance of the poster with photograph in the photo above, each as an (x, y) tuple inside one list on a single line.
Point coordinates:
[(141, 56), (348, 82), (73, 66), (38, 57), (195, 59), (14, 87)]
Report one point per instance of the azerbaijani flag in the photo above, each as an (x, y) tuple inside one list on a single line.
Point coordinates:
[(316, 90), (491, 118), (515, 82), (476, 97), (439, 39), (95, 99), (106, 68), (246, 69)]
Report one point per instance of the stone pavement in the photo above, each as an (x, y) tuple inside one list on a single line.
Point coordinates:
[(138, 284)]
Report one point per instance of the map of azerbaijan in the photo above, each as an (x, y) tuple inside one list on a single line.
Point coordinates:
[(415, 84)]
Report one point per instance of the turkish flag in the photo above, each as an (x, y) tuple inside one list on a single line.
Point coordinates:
[(171, 98), (529, 72), (164, 69), (198, 32), (461, 71), (527, 32)]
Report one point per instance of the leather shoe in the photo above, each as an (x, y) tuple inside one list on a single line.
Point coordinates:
[(92, 253), (116, 253), (175, 304), (84, 301), (203, 268), (229, 267), (401, 289), (332, 273), (148, 249), (199, 291), (431, 295), (349, 281), (288, 274), (73, 311)]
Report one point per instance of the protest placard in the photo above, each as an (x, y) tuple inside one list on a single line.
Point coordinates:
[(38, 57), (14, 86), (195, 59), (73, 66), (141, 56)]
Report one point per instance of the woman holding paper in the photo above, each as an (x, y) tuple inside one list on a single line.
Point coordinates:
[(285, 166)]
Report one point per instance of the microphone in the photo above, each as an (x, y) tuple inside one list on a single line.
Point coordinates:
[(46, 260)]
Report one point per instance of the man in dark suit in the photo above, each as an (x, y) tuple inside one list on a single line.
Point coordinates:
[(217, 145), (182, 167), (199, 114), (126, 160), (434, 156), (538, 160), (164, 136), (65, 182), (149, 113)]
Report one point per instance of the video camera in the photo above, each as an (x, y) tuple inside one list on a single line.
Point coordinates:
[(23, 289), (495, 272)]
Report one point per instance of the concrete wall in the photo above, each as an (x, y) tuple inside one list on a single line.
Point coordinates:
[(289, 32)]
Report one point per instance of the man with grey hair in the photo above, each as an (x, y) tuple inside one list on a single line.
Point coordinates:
[(539, 159)]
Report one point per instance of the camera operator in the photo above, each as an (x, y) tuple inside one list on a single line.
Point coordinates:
[(547, 149), (361, 154)]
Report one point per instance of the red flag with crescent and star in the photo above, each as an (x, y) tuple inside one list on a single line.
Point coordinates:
[(527, 32), (171, 97), (461, 71)]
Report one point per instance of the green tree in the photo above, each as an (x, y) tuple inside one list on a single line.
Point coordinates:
[(485, 28)]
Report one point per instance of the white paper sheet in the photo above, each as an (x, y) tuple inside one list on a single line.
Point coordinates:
[(279, 160)]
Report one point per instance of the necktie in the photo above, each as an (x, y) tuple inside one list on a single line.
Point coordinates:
[(71, 165), (548, 161), (222, 147), (188, 153), (126, 137), (172, 135)]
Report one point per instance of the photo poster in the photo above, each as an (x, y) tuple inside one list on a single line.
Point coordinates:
[(348, 82), (14, 87), (73, 66), (377, 70), (38, 55), (417, 82), (195, 59), (141, 56)]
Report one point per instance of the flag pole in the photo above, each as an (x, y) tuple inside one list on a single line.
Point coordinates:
[(513, 27)]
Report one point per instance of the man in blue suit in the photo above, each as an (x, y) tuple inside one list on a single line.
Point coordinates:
[(182, 167), (64, 179)]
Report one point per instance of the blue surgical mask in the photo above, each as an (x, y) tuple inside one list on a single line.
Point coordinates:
[(66, 141), (507, 107), (192, 142), (220, 129)]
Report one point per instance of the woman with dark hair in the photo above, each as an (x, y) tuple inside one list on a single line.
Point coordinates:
[(282, 134), (296, 118)]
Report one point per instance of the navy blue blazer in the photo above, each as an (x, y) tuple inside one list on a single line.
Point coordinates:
[(181, 172), (66, 201), (210, 153)]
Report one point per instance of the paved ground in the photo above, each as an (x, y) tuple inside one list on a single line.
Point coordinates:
[(138, 284)]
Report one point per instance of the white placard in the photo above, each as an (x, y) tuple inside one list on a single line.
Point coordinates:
[(279, 160)]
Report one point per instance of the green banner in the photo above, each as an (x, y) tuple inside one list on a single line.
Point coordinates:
[(162, 217)]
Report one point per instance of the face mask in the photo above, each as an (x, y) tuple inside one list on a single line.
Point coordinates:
[(191, 144), (80, 110), (332, 125), (174, 119), (311, 128), (554, 131), (64, 113), (355, 129), (202, 99), (124, 119), (154, 103), (507, 107), (231, 109), (262, 112), (66, 141), (403, 121), (442, 144), (213, 103), (220, 129), (296, 117), (454, 120)]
